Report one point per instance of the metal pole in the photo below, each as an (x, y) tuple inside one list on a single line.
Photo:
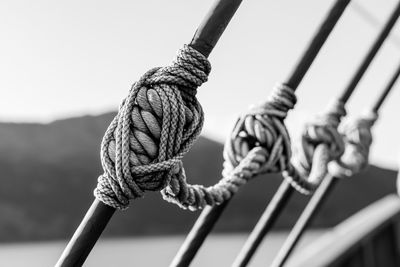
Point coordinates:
[(264, 224), (309, 212)]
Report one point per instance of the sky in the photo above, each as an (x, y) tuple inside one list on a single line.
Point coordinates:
[(69, 58)]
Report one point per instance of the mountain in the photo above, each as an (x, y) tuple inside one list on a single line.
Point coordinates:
[(49, 171)]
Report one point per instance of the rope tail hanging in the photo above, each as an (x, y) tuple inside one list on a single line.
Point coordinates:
[(156, 125), (321, 146), (258, 144)]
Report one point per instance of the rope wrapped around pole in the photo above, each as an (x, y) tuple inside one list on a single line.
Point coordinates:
[(357, 135), (320, 144), (156, 125)]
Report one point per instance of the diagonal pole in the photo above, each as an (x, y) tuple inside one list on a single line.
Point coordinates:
[(268, 218), (321, 194), (210, 215), (386, 91), (264, 224), (315, 203), (99, 214)]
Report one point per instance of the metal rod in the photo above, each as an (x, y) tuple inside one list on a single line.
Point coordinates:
[(301, 68), (86, 235), (386, 91), (188, 250), (265, 223), (198, 234), (305, 219), (99, 214), (371, 54), (213, 25), (249, 248)]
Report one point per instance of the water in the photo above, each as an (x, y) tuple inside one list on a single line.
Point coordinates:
[(219, 250)]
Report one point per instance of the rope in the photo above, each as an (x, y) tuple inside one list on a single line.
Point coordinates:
[(357, 136), (320, 144), (263, 126), (155, 126)]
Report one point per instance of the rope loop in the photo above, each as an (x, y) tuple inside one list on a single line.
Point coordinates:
[(320, 144), (156, 125), (357, 136)]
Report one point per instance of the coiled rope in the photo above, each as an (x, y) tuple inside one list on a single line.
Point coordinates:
[(155, 126), (357, 135), (320, 144)]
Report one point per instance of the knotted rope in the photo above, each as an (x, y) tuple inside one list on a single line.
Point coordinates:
[(263, 126), (259, 143), (320, 144), (357, 136), (155, 126)]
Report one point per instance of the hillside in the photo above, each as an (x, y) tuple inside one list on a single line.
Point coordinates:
[(48, 173)]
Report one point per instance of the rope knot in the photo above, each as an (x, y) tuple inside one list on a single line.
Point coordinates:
[(357, 137), (320, 144), (324, 130), (263, 126), (156, 125), (188, 71)]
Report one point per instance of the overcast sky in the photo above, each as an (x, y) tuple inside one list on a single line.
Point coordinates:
[(68, 58)]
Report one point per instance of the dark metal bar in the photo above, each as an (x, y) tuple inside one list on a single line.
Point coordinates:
[(308, 214), (386, 91), (204, 224), (188, 250), (267, 220), (371, 54), (86, 235), (301, 68), (213, 25), (99, 214)]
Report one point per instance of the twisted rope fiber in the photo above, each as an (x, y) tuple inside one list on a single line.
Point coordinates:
[(320, 144), (357, 136), (155, 126), (261, 130)]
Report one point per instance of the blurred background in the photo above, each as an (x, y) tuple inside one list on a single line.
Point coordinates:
[(66, 65)]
